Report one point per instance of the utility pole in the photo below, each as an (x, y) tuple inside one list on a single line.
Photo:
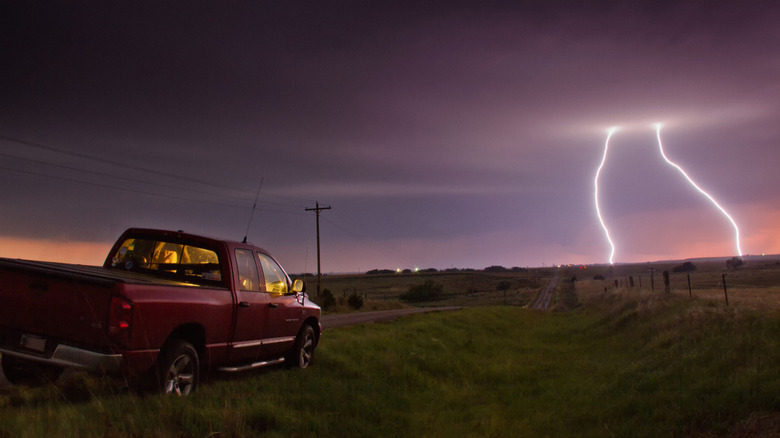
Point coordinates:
[(317, 209)]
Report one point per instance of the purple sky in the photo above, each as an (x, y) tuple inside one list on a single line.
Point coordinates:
[(443, 134)]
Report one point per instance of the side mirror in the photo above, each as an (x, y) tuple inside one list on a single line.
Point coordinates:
[(298, 286)]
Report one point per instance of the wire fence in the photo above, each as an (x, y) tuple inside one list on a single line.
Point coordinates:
[(756, 280)]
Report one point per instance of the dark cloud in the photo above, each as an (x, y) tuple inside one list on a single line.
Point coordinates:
[(452, 132)]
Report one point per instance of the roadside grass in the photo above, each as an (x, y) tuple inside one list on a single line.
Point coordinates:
[(621, 364)]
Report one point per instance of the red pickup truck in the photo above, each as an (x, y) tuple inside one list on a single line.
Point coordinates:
[(165, 307)]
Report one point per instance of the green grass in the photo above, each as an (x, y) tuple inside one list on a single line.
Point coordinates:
[(619, 365), (477, 288)]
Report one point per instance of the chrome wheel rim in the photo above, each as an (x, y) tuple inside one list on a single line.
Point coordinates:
[(307, 350), (181, 376)]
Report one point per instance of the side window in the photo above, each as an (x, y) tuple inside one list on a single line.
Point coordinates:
[(275, 278), (247, 271)]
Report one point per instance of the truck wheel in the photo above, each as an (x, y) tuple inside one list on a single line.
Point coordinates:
[(178, 368), (302, 352), (25, 372)]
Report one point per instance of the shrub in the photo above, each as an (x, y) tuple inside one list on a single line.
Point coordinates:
[(685, 267), (503, 285), (734, 263), (327, 298), (427, 291), (355, 301)]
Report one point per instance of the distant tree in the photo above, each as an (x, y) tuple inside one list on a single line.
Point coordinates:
[(380, 271), (518, 269), (503, 285), (430, 270), (734, 263), (427, 291), (355, 301), (495, 269), (685, 267), (327, 298)]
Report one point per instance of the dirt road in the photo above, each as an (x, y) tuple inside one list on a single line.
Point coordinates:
[(545, 298)]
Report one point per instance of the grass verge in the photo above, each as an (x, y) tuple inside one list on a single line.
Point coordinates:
[(619, 365)]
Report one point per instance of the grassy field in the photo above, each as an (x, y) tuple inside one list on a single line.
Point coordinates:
[(755, 285), (617, 363), (478, 288)]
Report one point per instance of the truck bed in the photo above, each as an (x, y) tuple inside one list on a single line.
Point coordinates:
[(96, 274), (46, 303)]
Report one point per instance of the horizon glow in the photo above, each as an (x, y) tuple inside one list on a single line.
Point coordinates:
[(658, 127), (610, 131)]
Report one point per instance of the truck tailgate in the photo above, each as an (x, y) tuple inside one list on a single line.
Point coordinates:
[(45, 303)]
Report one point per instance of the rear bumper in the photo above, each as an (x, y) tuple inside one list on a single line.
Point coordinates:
[(71, 357)]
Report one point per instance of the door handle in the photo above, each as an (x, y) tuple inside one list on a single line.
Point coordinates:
[(273, 305), (243, 304)]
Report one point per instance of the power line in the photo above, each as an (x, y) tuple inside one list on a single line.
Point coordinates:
[(123, 178), (298, 202), (108, 186), (143, 192), (105, 161)]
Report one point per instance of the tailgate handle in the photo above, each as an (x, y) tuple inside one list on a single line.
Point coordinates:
[(243, 304), (273, 305)]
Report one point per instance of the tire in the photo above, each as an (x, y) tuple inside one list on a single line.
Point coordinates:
[(178, 368), (26, 372), (302, 352)]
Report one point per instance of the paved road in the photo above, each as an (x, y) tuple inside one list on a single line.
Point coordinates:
[(544, 300), (345, 319)]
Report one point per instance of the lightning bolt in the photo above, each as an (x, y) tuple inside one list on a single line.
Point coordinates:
[(658, 127), (610, 131)]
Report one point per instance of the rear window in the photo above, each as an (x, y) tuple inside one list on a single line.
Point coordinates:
[(174, 261)]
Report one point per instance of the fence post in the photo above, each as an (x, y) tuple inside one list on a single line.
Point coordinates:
[(667, 285), (725, 292), (652, 279), (690, 292)]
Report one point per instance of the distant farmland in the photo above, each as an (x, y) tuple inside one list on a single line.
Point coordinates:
[(756, 283)]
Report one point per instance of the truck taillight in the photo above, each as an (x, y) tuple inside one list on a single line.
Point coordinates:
[(119, 318)]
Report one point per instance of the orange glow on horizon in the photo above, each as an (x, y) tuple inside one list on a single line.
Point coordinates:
[(81, 253)]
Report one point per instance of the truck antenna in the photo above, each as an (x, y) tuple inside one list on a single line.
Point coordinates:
[(251, 215)]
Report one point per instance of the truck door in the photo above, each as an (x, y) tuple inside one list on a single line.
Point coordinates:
[(284, 318), (252, 308)]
